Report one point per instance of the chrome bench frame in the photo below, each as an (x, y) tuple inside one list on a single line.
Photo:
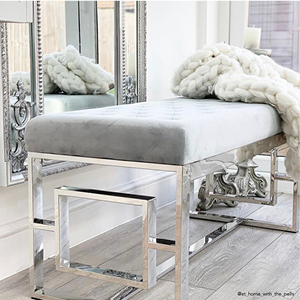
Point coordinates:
[(184, 195)]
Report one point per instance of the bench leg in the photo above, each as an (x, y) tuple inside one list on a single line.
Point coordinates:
[(36, 235), (182, 234)]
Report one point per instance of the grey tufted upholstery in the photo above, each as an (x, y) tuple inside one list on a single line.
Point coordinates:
[(174, 131)]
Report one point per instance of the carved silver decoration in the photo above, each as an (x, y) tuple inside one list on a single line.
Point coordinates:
[(130, 89), (5, 90), (248, 181), (21, 116), (37, 54), (120, 59), (221, 186), (142, 51), (135, 89), (244, 183)]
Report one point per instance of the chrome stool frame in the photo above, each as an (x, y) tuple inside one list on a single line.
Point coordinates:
[(62, 257), (180, 247), (272, 201), (38, 224)]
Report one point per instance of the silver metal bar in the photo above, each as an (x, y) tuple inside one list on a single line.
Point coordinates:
[(243, 221), (107, 162), (149, 254), (230, 197), (62, 257), (101, 195), (200, 245), (282, 176), (49, 294), (104, 274), (192, 196), (273, 182), (43, 227), (108, 272), (211, 217), (296, 199), (182, 215), (182, 233), (44, 222), (268, 225), (194, 249), (213, 237), (217, 162), (162, 247), (35, 195), (209, 188)]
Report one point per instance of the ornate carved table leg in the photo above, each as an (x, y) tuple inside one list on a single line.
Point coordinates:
[(245, 182), (248, 182)]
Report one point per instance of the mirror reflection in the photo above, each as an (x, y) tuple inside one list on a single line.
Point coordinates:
[(78, 55), (74, 78)]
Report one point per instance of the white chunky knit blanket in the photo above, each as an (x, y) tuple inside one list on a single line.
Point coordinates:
[(236, 74), (69, 72)]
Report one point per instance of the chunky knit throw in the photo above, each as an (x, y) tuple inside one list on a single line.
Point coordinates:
[(236, 74), (70, 72)]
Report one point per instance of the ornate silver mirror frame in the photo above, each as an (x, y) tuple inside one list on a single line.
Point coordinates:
[(13, 119)]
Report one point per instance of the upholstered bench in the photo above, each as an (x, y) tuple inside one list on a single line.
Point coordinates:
[(176, 131), (179, 135)]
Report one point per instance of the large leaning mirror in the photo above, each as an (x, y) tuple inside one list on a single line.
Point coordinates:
[(77, 55)]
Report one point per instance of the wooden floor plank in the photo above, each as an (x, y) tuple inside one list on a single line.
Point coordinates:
[(242, 210), (91, 288), (212, 267), (164, 290), (280, 213), (131, 260), (276, 269), (247, 259), (114, 242)]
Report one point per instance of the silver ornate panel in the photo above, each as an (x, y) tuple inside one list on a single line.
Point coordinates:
[(15, 117), (5, 90)]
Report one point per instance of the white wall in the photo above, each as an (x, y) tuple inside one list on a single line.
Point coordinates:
[(171, 37), (238, 22), (176, 29)]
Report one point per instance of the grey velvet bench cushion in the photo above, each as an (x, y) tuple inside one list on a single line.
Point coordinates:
[(173, 131)]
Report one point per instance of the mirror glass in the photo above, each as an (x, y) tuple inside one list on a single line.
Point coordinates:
[(78, 48)]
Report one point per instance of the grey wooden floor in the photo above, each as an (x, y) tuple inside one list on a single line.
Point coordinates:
[(246, 261)]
